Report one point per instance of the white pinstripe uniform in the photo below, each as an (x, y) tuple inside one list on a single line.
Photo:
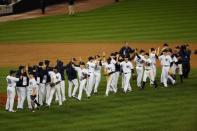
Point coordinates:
[(97, 76), (11, 85), (82, 80), (148, 70), (127, 67), (165, 62), (114, 76), (139, 69), (55, 77), (111, 72), (153, 58), (91, 70)]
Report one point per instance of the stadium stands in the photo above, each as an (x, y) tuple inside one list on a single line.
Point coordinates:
[(19, 6)]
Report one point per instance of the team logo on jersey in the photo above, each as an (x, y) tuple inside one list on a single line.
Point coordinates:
[(87, 66), (139, 60)]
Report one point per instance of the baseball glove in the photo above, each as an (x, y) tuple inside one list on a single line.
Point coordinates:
[(52, 84)]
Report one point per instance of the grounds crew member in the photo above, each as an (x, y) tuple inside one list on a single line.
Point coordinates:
[(71, 10), (43, 6)]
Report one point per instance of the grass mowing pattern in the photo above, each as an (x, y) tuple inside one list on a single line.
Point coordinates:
[(135, 20), (165, 109)]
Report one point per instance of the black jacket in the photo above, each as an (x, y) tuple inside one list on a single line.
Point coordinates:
[(71, 72), (22, 79), (126, 51), (60, 69), (71, 2)]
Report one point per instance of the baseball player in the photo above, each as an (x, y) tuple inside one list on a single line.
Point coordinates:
[(48, 78), (153, 55), (31, 72), (11, 84), (42, 83), (179, 62), (164, 48), (60, 69), (148, 71), (72, 79), (174, 65), (117, 69), (166, 62), (139, 67), (113, 75), (97, 73), (37, 78), (91, 70), (55, 86), (21, 86), (109, 71), (128, 70), (33, 92), (83, 75)]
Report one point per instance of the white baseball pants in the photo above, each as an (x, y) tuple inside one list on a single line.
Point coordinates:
[(127, 86), (71, 91), (21, 93), (139, 71), (180, 66), (109, 81), (97, 81), (154, 68), (90, 83), (62, 91), (42, 93), (165, 76), (29, 93), (122, 76), (81, 88), (48, 90), (54, 89), (10, 98), (113, 81), (116, 78), (148, 74)]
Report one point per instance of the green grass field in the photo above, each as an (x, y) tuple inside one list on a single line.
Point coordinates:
[(134, 20), (163, 109)]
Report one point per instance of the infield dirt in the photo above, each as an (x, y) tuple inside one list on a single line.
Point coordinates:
[(13, 55)]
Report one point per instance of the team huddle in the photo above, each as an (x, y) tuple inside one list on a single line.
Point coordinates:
[(42, 83)]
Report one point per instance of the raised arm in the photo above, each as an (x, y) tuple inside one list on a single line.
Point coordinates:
[(158, 51)]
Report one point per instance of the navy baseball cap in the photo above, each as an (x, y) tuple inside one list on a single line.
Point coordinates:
[(82, 63), (12, 72)]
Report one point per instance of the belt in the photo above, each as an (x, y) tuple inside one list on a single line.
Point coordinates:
[(139, 66), (127, 72), (166, 65), (147, 69), (111, 73)]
